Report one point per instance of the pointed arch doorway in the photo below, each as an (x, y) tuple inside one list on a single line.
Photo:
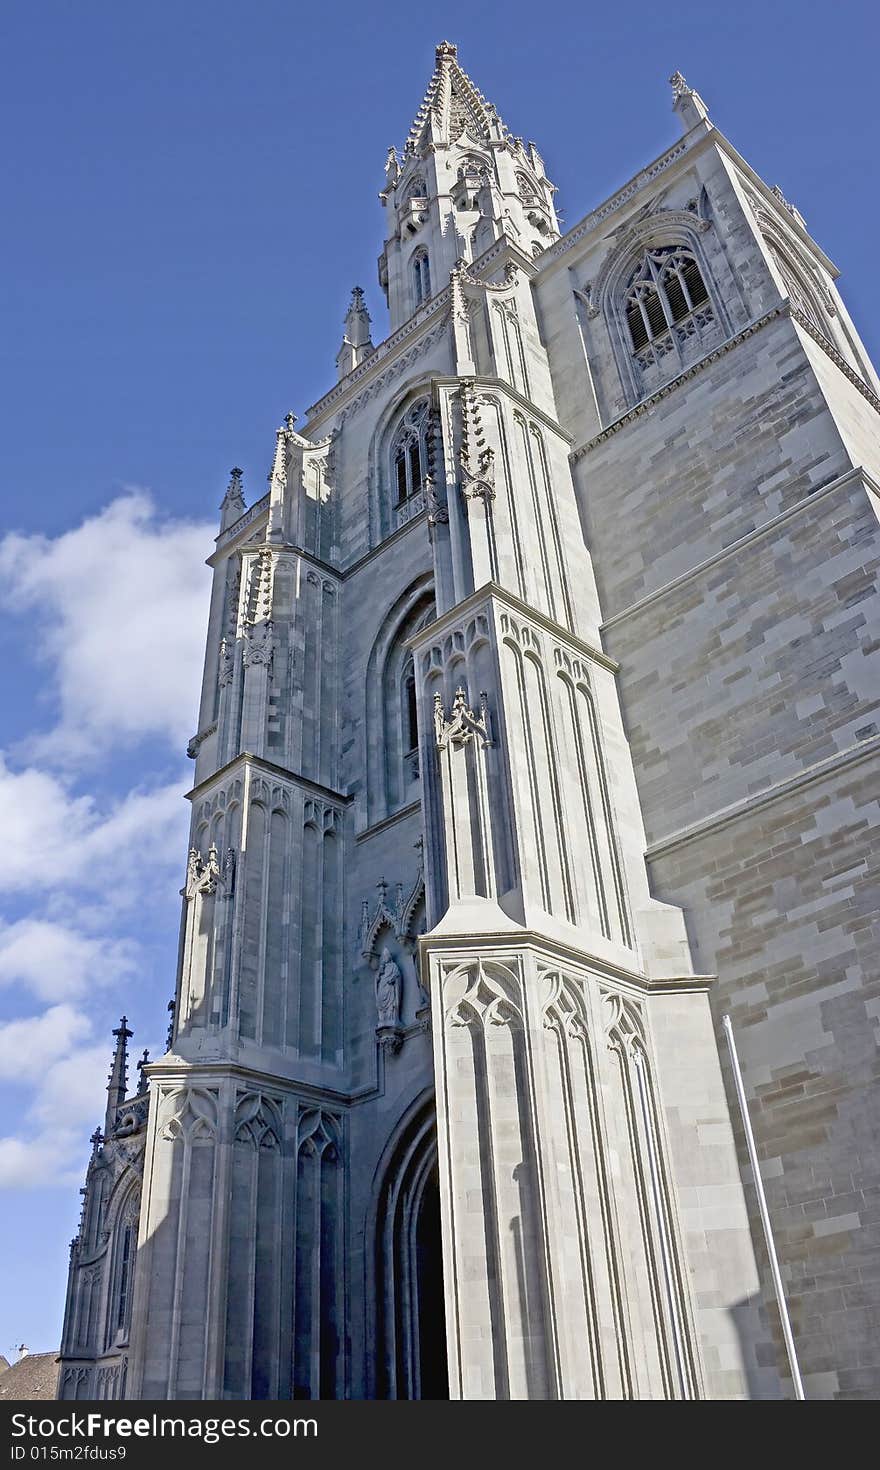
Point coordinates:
[(410, 1320)]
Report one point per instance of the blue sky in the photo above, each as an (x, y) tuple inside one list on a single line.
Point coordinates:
[(190, 196)]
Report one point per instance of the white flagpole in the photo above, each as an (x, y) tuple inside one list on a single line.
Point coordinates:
[(765, 1214)]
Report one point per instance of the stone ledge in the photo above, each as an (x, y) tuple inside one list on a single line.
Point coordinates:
[(777, 792), (740, 543)]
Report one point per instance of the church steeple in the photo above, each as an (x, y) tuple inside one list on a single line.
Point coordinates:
[(464, 180), (453, 107), (117, 1083)]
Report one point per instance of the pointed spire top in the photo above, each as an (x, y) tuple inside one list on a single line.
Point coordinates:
[(143, 1079), (357, 342), (453, 106), (687, 103), (117, 1082), (233, 503)]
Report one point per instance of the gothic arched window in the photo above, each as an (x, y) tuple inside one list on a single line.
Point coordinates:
[(663, 289), (409, 463), (421, 271), (416, 188), (392, 707), (124, 1288), (669, 315), (410, 723)]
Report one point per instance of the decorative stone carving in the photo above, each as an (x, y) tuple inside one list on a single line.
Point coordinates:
[(389, 986), (679, 87), (438, 510), (226, 667), (202, 874), (462, 725), (399, 918), (259, 644), (233, 504)]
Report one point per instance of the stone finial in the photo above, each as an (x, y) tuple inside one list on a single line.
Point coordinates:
[(392, 168), (143, 1079), (356, 343), (117, 1082), (446, 48), (233, 503), (687, 103), (787, 205)]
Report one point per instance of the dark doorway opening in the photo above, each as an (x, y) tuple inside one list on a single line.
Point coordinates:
[(410, 1360), (433, 1367)]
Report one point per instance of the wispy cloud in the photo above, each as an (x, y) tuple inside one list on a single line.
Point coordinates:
[(117, 608), (54, 839), (28, 1047), (55, 962), (115, 611)]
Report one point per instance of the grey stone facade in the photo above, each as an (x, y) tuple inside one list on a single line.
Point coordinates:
[(539, 691)]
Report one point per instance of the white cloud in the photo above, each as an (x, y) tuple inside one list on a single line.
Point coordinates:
[(53, 1159), (28, 1047), (119, 609), (55, 961), (74, 1090), (53, 839), (67, 1105)]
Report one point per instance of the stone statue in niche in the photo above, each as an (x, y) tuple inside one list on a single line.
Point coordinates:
[(388, 990)]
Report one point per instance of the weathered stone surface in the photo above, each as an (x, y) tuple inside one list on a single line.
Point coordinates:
[(579, 562)]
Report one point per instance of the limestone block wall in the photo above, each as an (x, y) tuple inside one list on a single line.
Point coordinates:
[(781, 902), (743, 611)]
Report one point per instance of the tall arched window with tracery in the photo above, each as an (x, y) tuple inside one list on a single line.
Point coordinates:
[(669, 313), (409, 463), (392, 707), (421, 273)]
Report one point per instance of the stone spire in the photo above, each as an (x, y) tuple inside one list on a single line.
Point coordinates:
[(117, 1082), (356, 343), (687, 103), (232, 505), (143, 1079), (452, 106)]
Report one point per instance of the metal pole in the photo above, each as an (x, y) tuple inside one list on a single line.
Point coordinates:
[(765, 1214)]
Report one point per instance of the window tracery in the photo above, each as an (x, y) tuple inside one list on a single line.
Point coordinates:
[(669, 314), (409, 463)]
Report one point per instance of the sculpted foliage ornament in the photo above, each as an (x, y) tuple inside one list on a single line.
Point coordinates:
[(462, 725), (259, 645), (204, 874)]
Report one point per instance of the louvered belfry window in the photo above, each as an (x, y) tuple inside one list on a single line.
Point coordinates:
[(664, 289)]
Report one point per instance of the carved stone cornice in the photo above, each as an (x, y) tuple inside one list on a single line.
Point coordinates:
[(471, 946)]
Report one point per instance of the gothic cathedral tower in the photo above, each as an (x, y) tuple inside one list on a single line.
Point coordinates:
[(439, 1053)]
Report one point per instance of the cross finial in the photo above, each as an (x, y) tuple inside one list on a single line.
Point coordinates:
[(142, 1077)]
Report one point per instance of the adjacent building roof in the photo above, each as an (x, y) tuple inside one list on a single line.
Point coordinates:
[(32, 1377)]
